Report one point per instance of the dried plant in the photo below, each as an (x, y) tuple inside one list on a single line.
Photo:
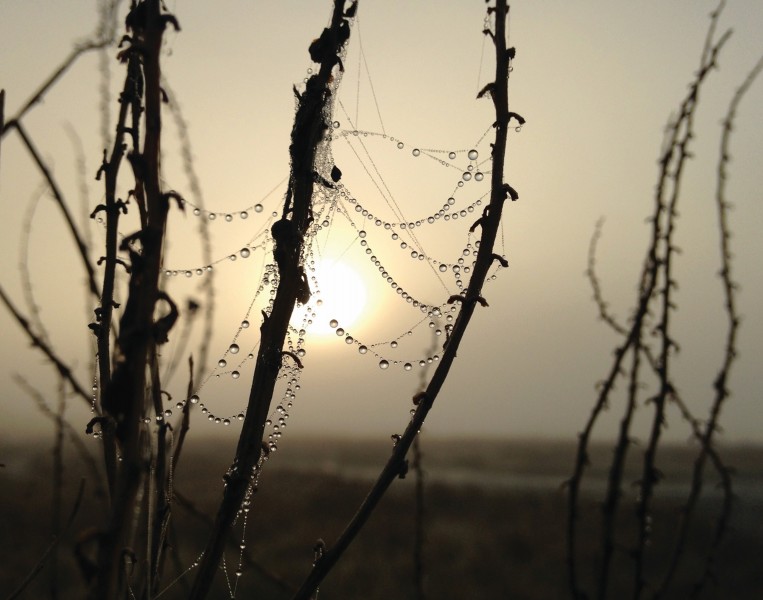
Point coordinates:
[(651, 320), (140, 449)]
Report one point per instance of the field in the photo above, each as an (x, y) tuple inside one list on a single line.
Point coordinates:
[(494, 521)]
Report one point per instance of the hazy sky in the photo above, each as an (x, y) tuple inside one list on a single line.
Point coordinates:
[(596, 82)]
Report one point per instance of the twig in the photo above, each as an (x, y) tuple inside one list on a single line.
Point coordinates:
[(54, 77), (657, 268), (124, 400), (47, 350), (683, 133), (730, 353), (58, 195)]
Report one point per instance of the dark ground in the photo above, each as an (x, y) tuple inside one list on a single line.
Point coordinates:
[(494, 521)]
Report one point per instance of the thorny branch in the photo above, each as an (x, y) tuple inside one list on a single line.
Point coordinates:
[(705, 434), (499, 191), (656, 282)]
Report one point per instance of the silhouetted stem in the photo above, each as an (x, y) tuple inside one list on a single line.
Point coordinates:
[(125, 399), (58, 195), (490, 223), (683, 133), (721, 381), (54, 77), (47, 350), (308, 132)]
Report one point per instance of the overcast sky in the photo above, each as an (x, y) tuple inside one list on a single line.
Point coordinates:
[(596, 82)]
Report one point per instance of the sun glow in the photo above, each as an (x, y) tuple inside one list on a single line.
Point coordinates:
[(339, 294)]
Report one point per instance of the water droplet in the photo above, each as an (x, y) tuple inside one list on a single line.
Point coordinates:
[(473, 154), (196, 212), (362, 349), (349, 340), (235, 374), (333, 323), (222, 362), (168, 413), (229, 218), (233, 349), (416, 152), (336, 124), (400, 145), (244, 253), (466, 176), (258, 208), (407, 366), (244, 324), (226, 421), (340, 332), (361, 233), (194, 399), (478, 176), (240, 416), (243, 214), (383, 364), (393, 344), (451, 155)]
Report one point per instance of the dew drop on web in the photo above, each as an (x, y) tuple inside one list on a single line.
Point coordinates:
[(383, 364), (233, 349), (473, 154)]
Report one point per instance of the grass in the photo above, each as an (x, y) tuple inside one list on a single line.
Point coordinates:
[(499, 535)]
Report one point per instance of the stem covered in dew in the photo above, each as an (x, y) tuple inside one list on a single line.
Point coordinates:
[(311, 121)]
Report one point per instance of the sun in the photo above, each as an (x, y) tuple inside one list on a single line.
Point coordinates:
[(339, 294)]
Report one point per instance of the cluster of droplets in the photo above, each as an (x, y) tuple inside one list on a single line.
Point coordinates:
[(226, 217), (462, 266), (434, 315), (416, 151), (261, 242)]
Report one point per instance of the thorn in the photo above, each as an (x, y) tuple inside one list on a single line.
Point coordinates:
[(502, 260), (294, 357), (488, 89), (510, 191), (474, 226)]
